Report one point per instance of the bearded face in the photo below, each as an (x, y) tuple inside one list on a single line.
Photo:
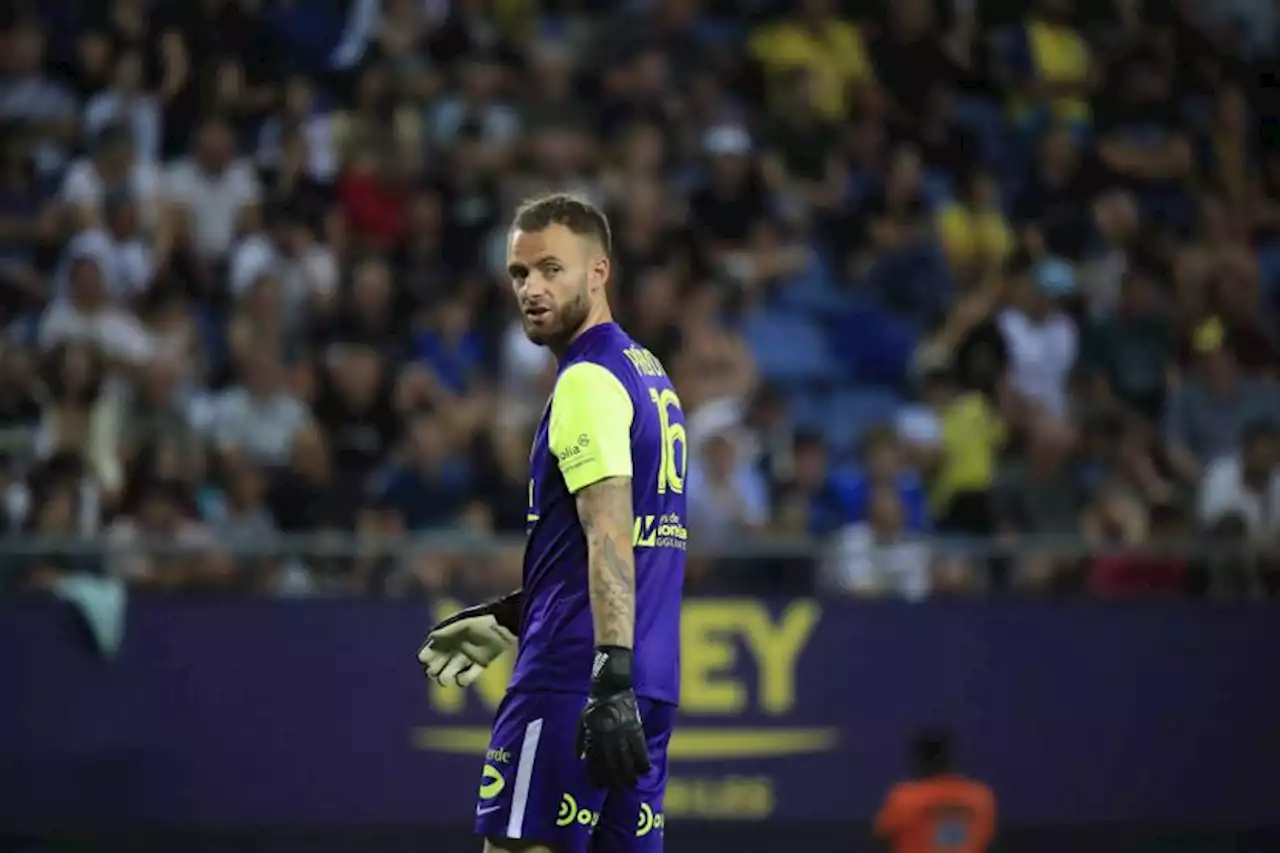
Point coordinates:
[(550, 275), (551, 322)]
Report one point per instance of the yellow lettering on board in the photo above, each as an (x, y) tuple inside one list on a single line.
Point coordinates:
[(709, 654), (777, 647), (717, 635)]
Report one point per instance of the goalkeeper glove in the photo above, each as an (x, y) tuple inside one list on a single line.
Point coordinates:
[(457, 651), (610, 733)]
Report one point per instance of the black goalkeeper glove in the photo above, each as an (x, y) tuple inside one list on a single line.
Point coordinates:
[(610, 733), (458, 650)]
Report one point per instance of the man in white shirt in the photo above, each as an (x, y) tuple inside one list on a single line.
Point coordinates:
[(728, 496), (877, 558), (259, 417), (127, 103), (214, 194), (88, 314), (112, 166), (124, 258), (1246, 484), (1041, 338)]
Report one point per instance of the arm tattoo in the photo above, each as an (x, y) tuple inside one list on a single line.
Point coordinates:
[(604, 508)]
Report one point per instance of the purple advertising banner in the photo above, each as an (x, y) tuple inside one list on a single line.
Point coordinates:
[(315, 713)]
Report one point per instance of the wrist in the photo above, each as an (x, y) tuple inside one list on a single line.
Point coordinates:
[(506, 610), (611, 671)]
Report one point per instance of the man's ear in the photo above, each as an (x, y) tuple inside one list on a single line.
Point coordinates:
[(599, 272)]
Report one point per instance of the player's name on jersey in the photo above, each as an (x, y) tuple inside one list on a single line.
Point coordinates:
[(645, 362)]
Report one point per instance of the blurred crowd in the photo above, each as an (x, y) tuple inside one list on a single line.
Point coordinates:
[(984, 294)]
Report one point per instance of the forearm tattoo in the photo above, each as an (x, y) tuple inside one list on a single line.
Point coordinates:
[(604, 508)]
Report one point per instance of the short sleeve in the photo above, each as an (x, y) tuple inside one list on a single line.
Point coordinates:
[(590, 430)]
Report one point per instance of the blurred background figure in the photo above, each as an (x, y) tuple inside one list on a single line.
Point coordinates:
[(938, 808)]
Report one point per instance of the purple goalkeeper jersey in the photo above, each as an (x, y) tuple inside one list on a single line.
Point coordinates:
[(613, 413)]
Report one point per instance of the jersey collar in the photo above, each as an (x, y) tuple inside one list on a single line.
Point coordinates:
[(584, 341)]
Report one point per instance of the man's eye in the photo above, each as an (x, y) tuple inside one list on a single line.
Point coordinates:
[(550, 270)]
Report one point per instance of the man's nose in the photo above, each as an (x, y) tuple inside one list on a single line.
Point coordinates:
[(535, 287)]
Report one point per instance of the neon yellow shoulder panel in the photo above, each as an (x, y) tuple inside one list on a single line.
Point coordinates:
[(590, 429)]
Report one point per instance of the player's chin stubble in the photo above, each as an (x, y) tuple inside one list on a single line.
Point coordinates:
[(563, 327)]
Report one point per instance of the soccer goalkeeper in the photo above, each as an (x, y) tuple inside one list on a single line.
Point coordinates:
[(589, 712)]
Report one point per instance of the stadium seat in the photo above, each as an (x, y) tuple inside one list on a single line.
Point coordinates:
[(812, 291), (848, 414), (806, 408), (874, 346), (788, 348)]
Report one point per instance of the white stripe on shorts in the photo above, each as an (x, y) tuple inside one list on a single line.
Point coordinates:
[(524, 777)]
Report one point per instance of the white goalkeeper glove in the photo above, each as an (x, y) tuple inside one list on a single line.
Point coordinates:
[(457, 651)]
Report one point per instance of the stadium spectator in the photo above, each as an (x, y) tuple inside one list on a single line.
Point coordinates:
[(113, 165), (30, 94), (29, 222), (1145, 571), (432, 486), (214, 195), (816, 40), (1041, 338), (1209, 409), (884, 463), (879, 557), (1246, 484), (258, 417), (80, 416), (728, 496), (1052, 67), (87, 312), (964, 464), (127, 103), (1040, 498), (1132, 352)]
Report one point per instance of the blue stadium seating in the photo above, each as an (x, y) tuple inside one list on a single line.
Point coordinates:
[(849, 414), (789, 348)]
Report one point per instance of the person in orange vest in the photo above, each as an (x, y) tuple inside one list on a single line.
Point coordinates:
[(939, 810)]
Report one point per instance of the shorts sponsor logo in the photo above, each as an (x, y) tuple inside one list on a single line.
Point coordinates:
[(650, 821), (568, 814), (491, 782), (481, 811)]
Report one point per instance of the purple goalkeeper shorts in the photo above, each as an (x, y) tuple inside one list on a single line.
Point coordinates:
[(534, 787)]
